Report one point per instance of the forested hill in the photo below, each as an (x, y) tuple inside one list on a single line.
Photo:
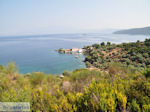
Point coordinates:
[(135, 55), (135, 31)]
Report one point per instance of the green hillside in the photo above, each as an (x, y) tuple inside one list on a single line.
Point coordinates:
[(135, 55)]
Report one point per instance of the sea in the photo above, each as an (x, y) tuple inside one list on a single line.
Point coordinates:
[(37, 53)]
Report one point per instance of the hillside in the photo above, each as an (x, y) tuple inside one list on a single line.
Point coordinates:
[(135, 31), (122, 89), (135, 54)]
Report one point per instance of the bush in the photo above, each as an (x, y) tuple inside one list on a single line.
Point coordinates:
[(11, 68), (37, 78), (147, 73), (66, 73)]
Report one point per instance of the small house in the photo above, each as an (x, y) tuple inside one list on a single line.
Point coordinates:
[(67, 50), (75, 49), (80, 50)]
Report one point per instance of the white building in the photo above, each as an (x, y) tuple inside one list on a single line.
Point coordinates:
[(80, 50), (75, 49)]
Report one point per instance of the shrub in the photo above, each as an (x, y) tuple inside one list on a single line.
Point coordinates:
[(147, 73), (66, 73), (11, 68), (37, 78)]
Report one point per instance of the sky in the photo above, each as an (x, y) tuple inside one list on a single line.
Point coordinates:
[(23, 17)]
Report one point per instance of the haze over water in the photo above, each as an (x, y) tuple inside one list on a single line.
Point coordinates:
[(37, 53)]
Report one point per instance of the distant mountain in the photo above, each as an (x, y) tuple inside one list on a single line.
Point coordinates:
[(135, 31)]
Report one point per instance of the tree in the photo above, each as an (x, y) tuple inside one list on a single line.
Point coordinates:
[(146, 55), (108, 43), (147, 42), (102, 44), (96, 46), (147, 73)]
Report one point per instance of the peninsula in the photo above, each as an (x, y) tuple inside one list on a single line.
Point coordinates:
[(135, 31)]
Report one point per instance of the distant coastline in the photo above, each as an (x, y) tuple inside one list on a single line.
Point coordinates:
[(135, 31)]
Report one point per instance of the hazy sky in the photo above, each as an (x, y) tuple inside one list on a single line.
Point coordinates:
[(18, 17)]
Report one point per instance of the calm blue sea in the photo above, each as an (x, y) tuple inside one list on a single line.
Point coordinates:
[(37, 53)]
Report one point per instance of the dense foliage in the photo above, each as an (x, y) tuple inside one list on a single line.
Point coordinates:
[(84, 90), (134, 54)]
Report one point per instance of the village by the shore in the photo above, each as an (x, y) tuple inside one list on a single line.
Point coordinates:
[(73, 50)]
